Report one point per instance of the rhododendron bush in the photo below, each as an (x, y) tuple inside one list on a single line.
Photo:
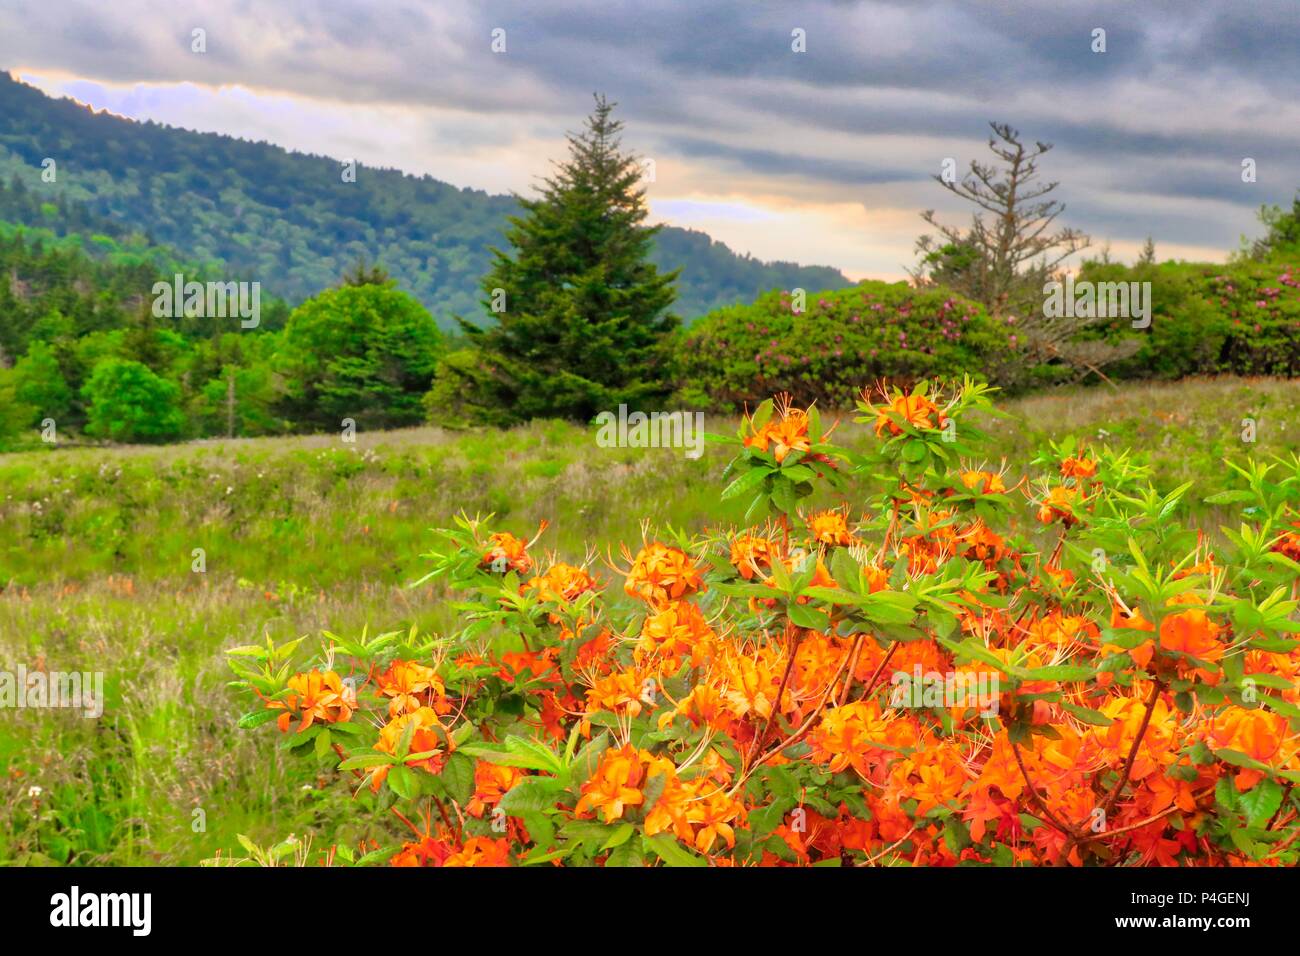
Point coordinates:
[(952, 665)]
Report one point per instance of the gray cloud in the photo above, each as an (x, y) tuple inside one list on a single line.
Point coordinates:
[(886, 89)]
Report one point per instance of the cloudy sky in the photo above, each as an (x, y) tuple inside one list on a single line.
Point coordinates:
[(823, 156)]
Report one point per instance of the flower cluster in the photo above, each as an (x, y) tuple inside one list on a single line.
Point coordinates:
[(1087, 683)]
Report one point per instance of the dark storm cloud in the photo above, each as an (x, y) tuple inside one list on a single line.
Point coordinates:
[(886, 89)]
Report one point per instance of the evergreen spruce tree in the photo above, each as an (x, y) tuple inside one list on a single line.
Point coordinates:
[(581, 313)]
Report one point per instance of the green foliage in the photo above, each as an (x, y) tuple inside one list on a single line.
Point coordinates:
[(14, 414), (840, 342), (38, 382), (365, 352), (1282, 241), (129, 403), (1207, 319), (581, 316)]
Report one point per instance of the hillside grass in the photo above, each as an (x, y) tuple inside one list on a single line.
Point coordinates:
[(310, 533)]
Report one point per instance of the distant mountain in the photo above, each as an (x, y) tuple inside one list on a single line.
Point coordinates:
[(289, 221)]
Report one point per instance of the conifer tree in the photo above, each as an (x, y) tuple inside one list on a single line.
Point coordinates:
[(581, 312)]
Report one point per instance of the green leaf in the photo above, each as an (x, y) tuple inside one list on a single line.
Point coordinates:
[(531, 795), (619, 837), (257, 718), (803, 616), (671, 852), (629, 854), (1261, 801), (746, 482), (458, 777), (365, 761), (1059, 672), (1088, 715), (517, 752), (588, 758), (403, 782), (1126, 637)]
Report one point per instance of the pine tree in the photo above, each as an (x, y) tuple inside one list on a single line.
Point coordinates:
[(581, 313)]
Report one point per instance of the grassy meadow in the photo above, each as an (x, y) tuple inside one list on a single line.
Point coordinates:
[(302, 534)]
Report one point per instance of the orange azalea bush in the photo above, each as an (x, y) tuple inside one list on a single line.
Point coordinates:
[(948, 666)]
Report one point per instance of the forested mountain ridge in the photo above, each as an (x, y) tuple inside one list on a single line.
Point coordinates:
[(289, 220)]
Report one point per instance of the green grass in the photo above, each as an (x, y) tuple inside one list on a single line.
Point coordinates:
[(300, 534)]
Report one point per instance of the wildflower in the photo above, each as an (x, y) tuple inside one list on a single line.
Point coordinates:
[(616, 784), (491, 783), (404, 682), (983, 482), (424, 750), (562, 583), (750, 552), (1191, 632), (1078, 467), (481, 852), (830, 528), (660, 574), (1059, 506), (314, 697), (916, 410)]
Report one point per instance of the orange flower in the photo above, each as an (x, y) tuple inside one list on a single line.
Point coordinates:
[(661, 574), (481, 851), (561, 583), (1158, 743), (1192, 632), (506, 553), (784, 432), (491, 782), (749, 552), (846, 737), (1059, 504), (917, 410), (615, 785), (623, 692), (1078, 468), (677, 630), (830, 528), (702, 706), (1288, 544), (424, 738), (986, 482), (713, 813), (404, 681), (1260, 734), (315, 697)]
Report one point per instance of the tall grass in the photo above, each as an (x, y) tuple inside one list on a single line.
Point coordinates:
[(300, 534)]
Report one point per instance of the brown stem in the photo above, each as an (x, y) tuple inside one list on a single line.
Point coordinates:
[(1133, 751), (780, 691), (793, 737), (853, 665), (447, 820), (1042, 805), (1132, 826), (871, 684), (1280, 807)]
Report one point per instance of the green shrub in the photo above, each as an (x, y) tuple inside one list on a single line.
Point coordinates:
[(38, 382), (366, 352), (129, 403), (1242, 318), (841, 341)]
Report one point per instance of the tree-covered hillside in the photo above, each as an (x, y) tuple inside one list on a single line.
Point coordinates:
[(290, 220)]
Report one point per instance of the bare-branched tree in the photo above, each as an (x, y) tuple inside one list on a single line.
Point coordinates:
[(1011, 251)]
